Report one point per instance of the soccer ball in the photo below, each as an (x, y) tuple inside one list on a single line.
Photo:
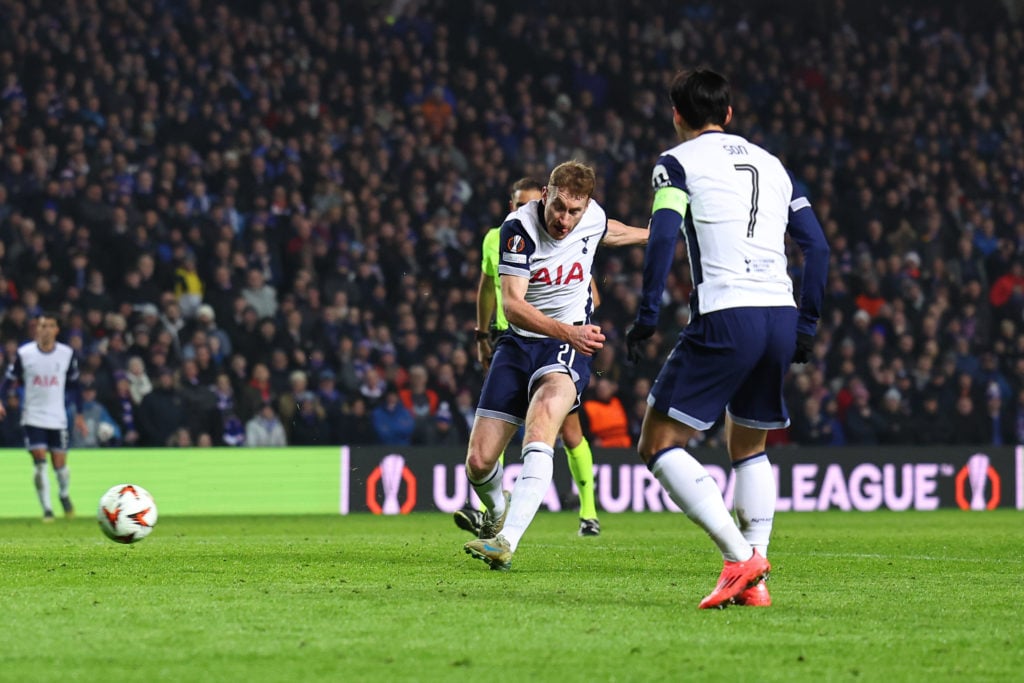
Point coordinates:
[(127, 513)]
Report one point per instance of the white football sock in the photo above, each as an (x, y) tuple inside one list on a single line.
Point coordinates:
[(42, 482), (754, 500), (694, 490), (490, 491), (63, 480), (530, 489)]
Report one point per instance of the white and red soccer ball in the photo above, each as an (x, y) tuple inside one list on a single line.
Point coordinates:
[(127, 513)]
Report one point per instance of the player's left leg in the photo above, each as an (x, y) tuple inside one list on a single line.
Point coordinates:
[(755, 493), (754, 496), (581, 465), (757, 407), (41, 479), (688, 396), (59, 459), (553, 397), (37, 443)]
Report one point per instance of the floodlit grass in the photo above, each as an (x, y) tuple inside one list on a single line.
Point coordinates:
[(858, 597)]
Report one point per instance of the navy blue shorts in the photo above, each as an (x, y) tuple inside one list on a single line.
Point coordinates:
[(47, 439), (734, 360), (517, 364)]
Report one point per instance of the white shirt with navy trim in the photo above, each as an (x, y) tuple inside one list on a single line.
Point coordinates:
[(559, 270), (44, 377)]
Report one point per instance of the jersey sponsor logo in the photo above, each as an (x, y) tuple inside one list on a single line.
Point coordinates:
[(516, 244), (659, 178), (560, 276), (45, 381)]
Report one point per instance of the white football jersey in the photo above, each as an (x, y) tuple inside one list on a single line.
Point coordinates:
[(45, 377), (739, 202), (559, 270)]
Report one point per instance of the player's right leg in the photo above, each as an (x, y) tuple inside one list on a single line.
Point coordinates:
[(36, 445)]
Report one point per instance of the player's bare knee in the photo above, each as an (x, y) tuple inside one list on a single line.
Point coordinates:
[(644, 449), (478, 464)]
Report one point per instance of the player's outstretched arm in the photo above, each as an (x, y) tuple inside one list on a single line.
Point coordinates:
[(485, 305), (586, 339), (621, 235)]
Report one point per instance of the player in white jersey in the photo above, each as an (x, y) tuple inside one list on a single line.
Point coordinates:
[(734, 203), (48, 371), (542, 364), (488, 306)]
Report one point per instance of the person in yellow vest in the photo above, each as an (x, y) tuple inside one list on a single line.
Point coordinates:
[(606, 417), (188, 286), (488, 307)]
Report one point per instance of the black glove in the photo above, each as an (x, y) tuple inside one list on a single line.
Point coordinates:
[(804, 348), (636, 335)]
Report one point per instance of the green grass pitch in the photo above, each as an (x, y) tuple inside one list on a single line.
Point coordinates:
[(933, 596)]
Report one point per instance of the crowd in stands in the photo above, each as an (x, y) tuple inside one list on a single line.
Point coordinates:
[(260, 222)]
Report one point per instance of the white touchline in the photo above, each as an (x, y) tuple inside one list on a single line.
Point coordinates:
[(343, 502)]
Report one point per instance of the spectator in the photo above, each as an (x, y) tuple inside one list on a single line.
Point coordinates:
[(260, 295), (162, 413), (896, 426), (200, 402), (188, 286), (100, 428), (967, 424), (124, 409), (139, 384), (206, 320), (1015, 419), (265, 428), (232, 429), (332, 401), (392, 421), (996, 424), (863, 426), (290, 400), (814, 426), (444, 432), (606, 417), (421, 401), (357, 426), (260, 382), (309, 425), (931, 425)]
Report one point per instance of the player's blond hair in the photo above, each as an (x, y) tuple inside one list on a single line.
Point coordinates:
[(574, 178)]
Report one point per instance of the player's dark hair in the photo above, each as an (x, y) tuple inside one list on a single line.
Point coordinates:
[(525, 185), (702, 97), (575, 178), (49, 315)]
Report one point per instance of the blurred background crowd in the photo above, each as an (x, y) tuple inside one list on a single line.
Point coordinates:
[(260, 221)]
